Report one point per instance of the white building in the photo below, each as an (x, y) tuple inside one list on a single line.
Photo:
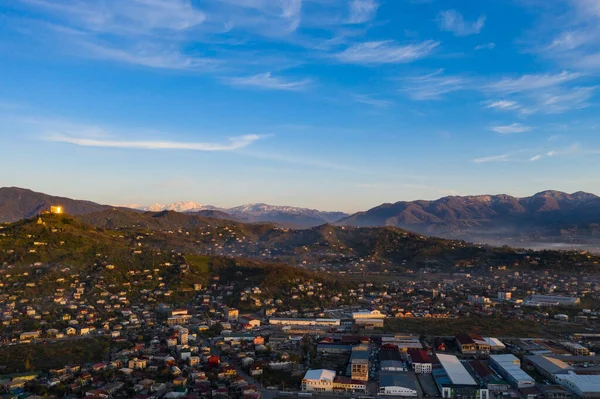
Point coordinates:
[(584, 386), (303, 322), (368, 314), (396, 384), (551, 300), (318, 381)]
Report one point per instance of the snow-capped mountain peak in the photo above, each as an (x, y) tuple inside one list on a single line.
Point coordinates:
[(181, 206)]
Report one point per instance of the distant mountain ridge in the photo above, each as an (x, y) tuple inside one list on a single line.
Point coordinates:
[(18, 203), (550, 219), (545, 215), (287, 216)]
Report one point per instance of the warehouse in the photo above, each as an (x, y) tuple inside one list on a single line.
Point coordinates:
[(509, 367), (396, 384), (453, 379), (584, 386), (547, 366)]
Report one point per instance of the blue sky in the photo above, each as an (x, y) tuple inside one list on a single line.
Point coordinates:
[(331, 104)]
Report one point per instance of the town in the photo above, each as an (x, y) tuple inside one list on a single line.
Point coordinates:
[(275, 348)]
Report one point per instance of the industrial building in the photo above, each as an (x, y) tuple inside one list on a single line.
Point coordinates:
[(584, 386), (509, 367), (420, 361), (390, 359), (303, 322), (396, 384), (368, 314), (550, 300), (547, 366), (454, 381)]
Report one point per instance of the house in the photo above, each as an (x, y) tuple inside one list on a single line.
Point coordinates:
[(318, 381), (137, 364), (28, 336), (256, 370), (471, 344), (232, 313)]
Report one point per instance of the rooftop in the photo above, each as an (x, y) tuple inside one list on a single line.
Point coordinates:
[(320, 374), (549, 364), (394, 379), (585, 383), (456, 372)]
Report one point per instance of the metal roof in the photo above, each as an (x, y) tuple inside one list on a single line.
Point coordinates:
[(549, 364), (512, 366), (457, 373), (584, 383), (395, 379), (320, 374)]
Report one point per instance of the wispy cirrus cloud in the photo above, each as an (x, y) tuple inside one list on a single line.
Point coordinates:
[(269, 82), (231, 144), (486, 46), (569, 34), (370, 100), (502, 105), (510, 129), (453, 21), (385, 52), (432, 86), (532, 82), (493, 158), (540, 93), (362, 11)]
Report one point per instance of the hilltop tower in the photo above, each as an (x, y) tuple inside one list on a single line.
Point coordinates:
[(56, 209)]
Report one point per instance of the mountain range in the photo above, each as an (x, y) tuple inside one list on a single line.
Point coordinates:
[(286, 216), (549, 219)]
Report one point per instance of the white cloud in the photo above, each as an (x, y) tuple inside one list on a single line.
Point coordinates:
[(502, 105), (130, 17), (271, 18), (267, 81), (540, 93), (486, 46), (532, 82), (559, 101), (536, 158), (362, 11), (432, 86), (385, 52), (569, 34), (369, 100), (453, 21), (509, 129), (494, 158), (233, 143), (160, 57)]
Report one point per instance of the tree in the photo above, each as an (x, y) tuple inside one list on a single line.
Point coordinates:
[(28, 365)]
